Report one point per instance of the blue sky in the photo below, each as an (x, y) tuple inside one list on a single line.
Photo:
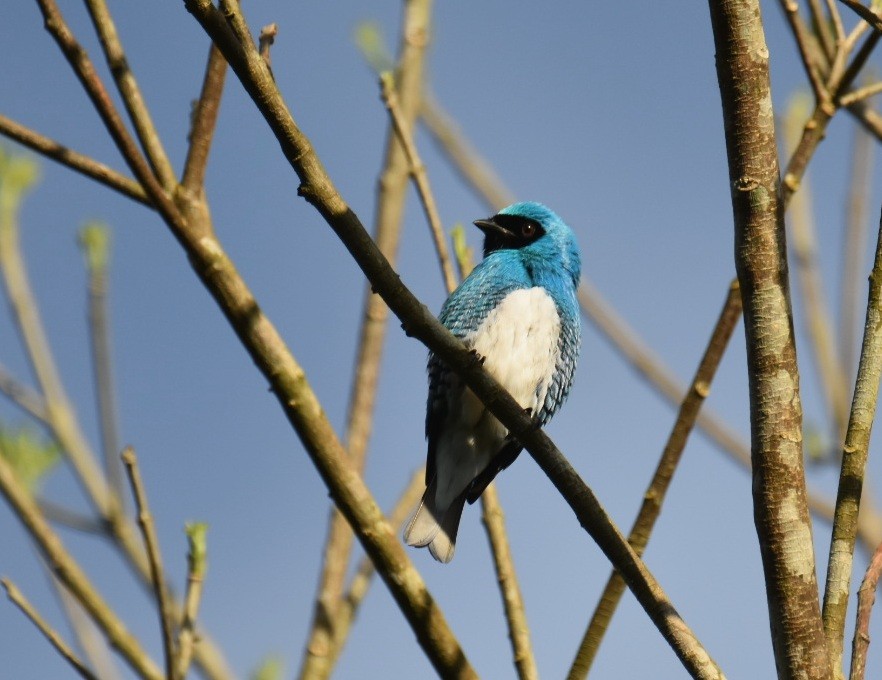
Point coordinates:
[(607, 112)]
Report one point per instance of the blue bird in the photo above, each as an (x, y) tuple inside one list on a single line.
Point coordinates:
[(518, 311)]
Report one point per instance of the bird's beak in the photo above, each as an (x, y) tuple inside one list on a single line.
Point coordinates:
[(490, 227)]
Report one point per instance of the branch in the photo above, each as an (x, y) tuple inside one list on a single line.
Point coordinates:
[(23, 396), (661, 479), (418, 171), (515, 615), (860, 184), (854, 461), (196, 567), (75, 580), (866, 600), (151, 543), (95, 242), (322, 644), (19, 600), (318, 189), (204, 120), (780, 505), (868, 14), (131, 93), (73, 160)]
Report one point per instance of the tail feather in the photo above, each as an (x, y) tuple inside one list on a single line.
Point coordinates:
[(435, 528)]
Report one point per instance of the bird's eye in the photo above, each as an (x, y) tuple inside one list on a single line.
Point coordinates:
[(528, 229)]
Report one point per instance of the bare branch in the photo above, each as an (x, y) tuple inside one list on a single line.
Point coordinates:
[(661, 479), (131, 93), (420, 178), (196, 567), (266, 39), (151, 543), (204, 120), (866, 13), (515, 615), (20, 601), (866, 600), (780, 505), (23, 396), (854, 461), (318, 189), (75, 161), (70, 574)]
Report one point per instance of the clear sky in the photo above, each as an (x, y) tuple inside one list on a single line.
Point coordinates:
[(607, 112)]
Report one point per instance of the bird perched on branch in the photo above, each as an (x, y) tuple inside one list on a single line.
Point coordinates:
[(517, 309)]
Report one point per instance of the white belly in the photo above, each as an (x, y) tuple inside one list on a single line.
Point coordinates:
[(519, 343)]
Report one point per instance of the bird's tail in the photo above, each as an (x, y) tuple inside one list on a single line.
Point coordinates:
[(435, 527)]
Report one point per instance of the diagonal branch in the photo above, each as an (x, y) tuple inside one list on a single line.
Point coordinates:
[(203, 123), (661, 479), (866, 600), (64, 649), (319, 190), (75, 161), (131, 93), (324, 643)]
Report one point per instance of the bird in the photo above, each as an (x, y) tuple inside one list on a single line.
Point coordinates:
[(517, 311)]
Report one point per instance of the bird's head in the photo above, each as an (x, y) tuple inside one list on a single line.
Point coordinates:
[(535, 230)]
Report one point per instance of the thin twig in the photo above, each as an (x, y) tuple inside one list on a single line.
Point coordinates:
[(151, 543), (856, 226), (73, 160), (803, 38), (265, 41), (512, 600), (317, 187), (323, 644), (69, 573), (860, 94), (819, 321), (204, 120), (95, 242), (90, 640), (822, 27), (196, 567), (71, 519), (661, 479), (420, 178), (866, 599), (866, 13), (23, 396), (20, 601), (836, 20), (59, 412), (854, 461), (131, 93)]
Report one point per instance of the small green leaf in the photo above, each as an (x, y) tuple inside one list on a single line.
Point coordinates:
[(271, 668), (198, 548), (94, 240), (29, 454), (368, 38)]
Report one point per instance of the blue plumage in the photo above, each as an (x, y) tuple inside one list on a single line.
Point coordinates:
[(518, 310)]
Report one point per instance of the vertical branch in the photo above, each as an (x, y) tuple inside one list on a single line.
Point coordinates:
[(862, 149), (818, 318), (512, 600), (661, 479), (866, 600), (95, 242), (151, 543), (196, 566), (203, 122), (854, 461), (780, 507), (318, 658)]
